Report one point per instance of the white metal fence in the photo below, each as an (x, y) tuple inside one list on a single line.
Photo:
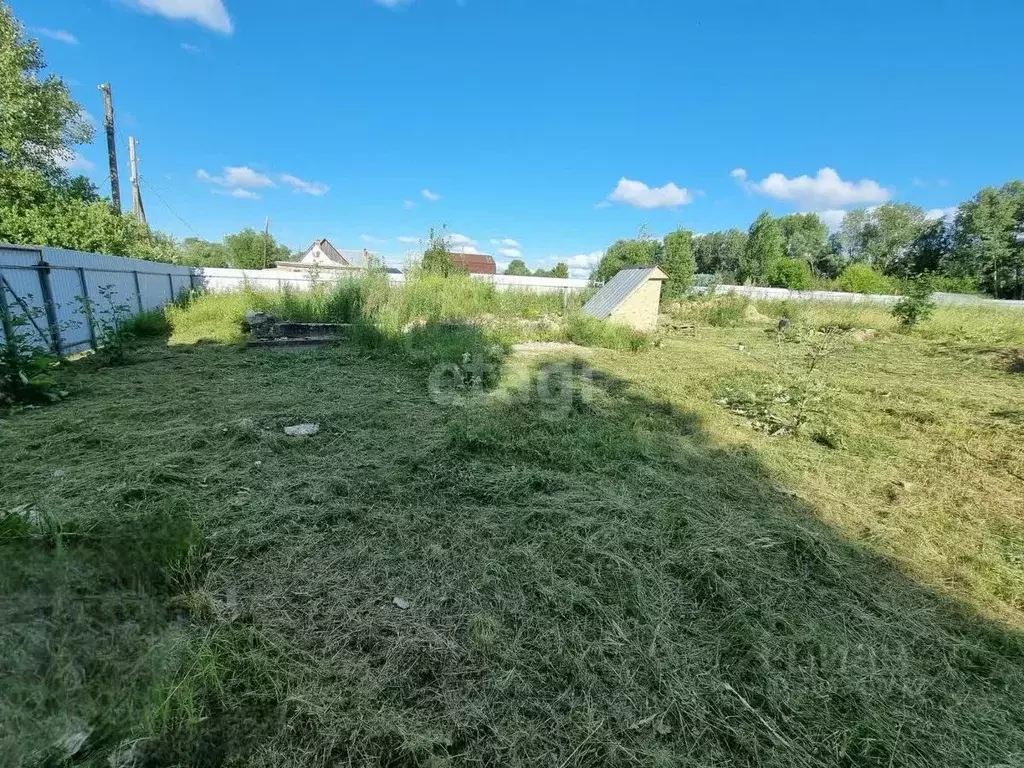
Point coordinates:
[(61, 292), (64, 294), (278, 279)]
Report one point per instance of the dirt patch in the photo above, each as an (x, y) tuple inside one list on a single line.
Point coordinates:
[(534, 347)]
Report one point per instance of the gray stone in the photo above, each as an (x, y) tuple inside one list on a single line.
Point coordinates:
[(302, 430), (259, 323), (402, 604)]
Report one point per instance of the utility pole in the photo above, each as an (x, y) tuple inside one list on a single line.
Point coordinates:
[(266, 243), (140, 211), (115, 185)]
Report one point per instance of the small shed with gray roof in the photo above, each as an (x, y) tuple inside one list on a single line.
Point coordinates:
[(631, 297)]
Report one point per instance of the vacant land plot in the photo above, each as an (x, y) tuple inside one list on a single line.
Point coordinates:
[(740, 548)]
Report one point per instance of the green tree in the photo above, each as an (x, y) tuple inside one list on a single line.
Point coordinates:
[(196, 252), (929, 253), (989, 242), (677, 261), (720, 253), (560, 270), (880, 236), (39, 121), (765, 246), (517, 267), (787, 272), (627, 253), (250, 249), (806, 237)]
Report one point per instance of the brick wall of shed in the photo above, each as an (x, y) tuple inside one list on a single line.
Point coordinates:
[(640, 310)]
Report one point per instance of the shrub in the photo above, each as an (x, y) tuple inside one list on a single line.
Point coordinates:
[(790, 273), (917, 304), (860, 278), (588, 331), (728, 311)]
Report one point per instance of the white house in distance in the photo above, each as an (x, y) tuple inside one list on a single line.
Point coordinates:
[(324, 255)]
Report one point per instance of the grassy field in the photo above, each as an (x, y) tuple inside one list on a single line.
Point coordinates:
[(738, 548)]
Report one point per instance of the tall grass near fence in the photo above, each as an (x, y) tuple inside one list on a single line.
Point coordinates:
[(956, 323), (383, 313)]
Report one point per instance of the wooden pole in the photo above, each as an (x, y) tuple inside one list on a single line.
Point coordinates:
[(115, 184), (137, 207)]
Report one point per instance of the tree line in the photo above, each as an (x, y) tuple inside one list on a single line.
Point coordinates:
[(977, 248), (518, 267)]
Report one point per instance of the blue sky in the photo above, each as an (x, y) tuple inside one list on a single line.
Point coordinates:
[(547, 128)]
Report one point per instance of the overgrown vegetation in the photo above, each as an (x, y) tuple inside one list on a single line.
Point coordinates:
[(385, 315)]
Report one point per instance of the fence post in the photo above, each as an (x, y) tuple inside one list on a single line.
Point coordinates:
[(138, 291), (87, 306), (170, 283), (5, 318), (46, 291)]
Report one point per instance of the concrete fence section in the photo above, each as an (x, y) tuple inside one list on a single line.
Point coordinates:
[(758, 292)]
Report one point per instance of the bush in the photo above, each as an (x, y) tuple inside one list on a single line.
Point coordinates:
[(917, 304), (860, 278), (790, 273), (588, 331), (727, 312)]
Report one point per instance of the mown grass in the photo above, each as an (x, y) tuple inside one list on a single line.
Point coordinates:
[(603, 564)]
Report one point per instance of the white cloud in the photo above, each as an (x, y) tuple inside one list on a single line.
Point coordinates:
[(507, 242), (740, 174), (639, 195), (315, 188), (461, 240), (409, 205), (189, 48), (372, 240), (60, 35), (432, 197), (75, 162), (236, 176), (833, 218), (822, 192), (244, 194), (408, 240), (942, 213), (207, 13), (581, 265), (464, 249), (511, 253)]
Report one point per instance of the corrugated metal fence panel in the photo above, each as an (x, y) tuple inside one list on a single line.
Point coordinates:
[(69, 307), (154, 290), (24, 282), (62, 257)]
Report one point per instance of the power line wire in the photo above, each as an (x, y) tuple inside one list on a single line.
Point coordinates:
[(174, 213)]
